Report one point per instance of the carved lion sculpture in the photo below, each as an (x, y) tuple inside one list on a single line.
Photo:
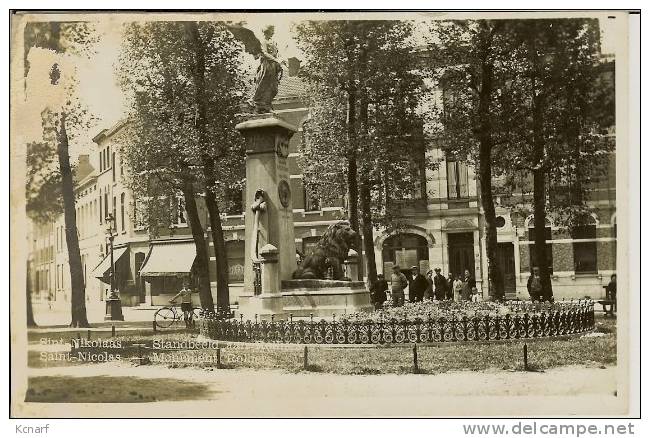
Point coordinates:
[(330, 251)]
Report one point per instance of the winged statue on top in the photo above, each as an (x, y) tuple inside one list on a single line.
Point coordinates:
[(269, 70)]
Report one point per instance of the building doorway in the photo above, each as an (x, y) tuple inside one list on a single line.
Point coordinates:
[(461, 253), (405, 250), (139, 281), (506, 261)]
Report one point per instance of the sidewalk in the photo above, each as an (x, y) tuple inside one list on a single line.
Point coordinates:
[(48, 318), (222, 393)]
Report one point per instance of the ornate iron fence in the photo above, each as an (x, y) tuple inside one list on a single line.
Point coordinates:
[(564, 320)]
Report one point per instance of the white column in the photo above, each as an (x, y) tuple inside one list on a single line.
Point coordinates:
[(517, 260), (484, 267), (478, 261)]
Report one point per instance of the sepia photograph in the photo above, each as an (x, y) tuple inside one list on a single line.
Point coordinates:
[(291, 214)]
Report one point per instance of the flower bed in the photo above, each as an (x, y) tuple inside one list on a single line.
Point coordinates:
[(458, 309), (417, 322)]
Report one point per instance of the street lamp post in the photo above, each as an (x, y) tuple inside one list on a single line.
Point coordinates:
[(113, 303)]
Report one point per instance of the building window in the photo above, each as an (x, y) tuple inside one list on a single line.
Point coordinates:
[(308, 244), (312, 203), (115, 211), (179, 211), (549, 249), (234, 201), (457, 180), (235, 254), (113, 166), (139, 214), (122, 211), (106, 203), (585, 253)]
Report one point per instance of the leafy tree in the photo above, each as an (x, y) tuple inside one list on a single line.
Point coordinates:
[(185, 83), (525, 92), (364, 117), (553, 108), (467, 64), (43, 186), (61, 122)]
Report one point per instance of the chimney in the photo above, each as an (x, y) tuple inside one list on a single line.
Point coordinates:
[(294, 66), (83, 167)]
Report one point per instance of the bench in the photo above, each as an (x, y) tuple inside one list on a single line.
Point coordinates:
[(608, 301)]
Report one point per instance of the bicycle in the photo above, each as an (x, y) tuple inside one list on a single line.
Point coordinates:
[(167, 316)]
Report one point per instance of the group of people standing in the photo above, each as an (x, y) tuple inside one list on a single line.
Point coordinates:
[(420, 286)]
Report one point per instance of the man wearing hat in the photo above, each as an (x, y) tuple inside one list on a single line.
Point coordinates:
[(417, 285), (440, 285)]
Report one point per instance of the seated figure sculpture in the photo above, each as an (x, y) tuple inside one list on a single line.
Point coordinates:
[(330, 252)]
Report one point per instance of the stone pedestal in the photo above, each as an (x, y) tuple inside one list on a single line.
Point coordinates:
[(113, 309), (322, 298), (270, 271), (270, 237), (306, 298), (267, 173), (267, 149), (352, 265)]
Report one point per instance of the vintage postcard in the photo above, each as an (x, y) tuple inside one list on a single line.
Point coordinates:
[(325, 214)]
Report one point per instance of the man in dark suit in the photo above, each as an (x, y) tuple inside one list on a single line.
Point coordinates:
[(440, 285), (378, 292), (417, 285)]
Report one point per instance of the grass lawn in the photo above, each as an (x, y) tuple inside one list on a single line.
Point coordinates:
[(597, 349), (590, 351)]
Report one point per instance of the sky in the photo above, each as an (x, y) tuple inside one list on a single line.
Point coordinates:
[(103, 97)]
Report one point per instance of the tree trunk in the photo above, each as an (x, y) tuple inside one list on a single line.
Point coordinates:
[(221, 259), (78, 292), (201, 261), (367, 230), (539, 205), (352, 174), (365, 195), (223, 291), (538, 100), (31, 322), (495, 279)]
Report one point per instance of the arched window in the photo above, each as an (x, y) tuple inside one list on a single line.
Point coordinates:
[(405, 250)]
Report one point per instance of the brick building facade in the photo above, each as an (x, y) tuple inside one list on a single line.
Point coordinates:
[(445, 228)]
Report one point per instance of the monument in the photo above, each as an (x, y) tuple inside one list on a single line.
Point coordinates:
[(273, 284)]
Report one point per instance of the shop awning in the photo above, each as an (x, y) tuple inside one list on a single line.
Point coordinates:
[(103, 268), (169, 259)]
